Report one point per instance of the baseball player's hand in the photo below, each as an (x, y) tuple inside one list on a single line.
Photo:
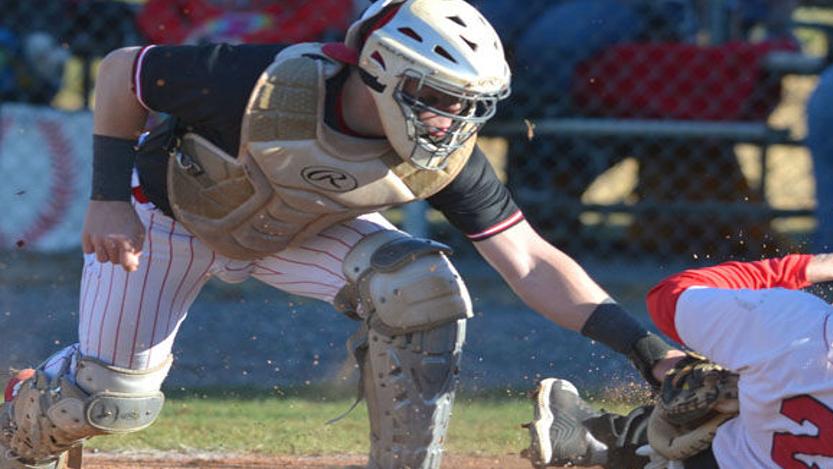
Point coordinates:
[(113, 231)]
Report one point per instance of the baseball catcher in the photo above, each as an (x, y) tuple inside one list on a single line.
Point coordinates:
[(273, 163)]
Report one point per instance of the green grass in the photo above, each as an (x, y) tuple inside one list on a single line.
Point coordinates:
[(297, 426)]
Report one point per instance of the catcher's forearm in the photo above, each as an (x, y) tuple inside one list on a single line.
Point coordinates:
[(546, 279)]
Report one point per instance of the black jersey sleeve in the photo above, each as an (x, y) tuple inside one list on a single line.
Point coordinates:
[(205, 86), (476, 202)]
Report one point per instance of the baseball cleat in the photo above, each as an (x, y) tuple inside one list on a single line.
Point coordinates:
[(557, 433)]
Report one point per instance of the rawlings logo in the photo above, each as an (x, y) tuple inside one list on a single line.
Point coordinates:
[(329, 179)]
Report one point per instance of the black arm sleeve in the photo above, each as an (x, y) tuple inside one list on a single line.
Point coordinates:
[(476, 202)]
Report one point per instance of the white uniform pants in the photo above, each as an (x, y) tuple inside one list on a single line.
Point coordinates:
[(130, 320)]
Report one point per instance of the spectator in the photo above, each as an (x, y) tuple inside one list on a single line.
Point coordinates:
[(36, 44), (31, 66), (32, 60)]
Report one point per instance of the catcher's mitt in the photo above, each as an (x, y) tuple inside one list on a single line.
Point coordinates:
[(695, 398)]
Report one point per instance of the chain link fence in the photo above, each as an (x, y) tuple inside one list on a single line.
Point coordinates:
[(662, 130), (637, 128)]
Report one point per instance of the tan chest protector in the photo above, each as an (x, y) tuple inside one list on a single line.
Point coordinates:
[(294, 176)]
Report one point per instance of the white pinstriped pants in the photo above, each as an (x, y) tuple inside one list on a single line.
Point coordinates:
[(130, 320)]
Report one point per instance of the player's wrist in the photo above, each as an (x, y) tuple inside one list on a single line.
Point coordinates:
[(820, 268), (113, 160), (611, 325)]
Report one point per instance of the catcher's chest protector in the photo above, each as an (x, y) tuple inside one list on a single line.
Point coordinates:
[(294, 176)]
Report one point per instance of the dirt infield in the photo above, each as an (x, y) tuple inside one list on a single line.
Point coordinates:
[(183, 461)]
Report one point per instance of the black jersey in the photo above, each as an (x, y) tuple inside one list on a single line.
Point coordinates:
[(205, 89)]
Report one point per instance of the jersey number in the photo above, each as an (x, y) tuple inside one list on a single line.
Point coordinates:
[(785, 446)]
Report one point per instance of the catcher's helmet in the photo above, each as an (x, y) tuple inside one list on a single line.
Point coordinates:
[(444, 50)]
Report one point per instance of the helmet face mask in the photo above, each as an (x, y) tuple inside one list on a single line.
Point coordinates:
[(436, 69), (424, 101)]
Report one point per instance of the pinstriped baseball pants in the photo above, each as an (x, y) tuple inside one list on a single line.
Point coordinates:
[(130, 320)]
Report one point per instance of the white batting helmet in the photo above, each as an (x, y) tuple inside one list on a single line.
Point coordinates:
[(414, 48)]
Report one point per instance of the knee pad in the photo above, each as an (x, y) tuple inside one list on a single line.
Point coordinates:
[(48, 416), (414, 305), (121, 400), (403, 284)]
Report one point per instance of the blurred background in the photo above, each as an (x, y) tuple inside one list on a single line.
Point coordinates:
[(642, 136)]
